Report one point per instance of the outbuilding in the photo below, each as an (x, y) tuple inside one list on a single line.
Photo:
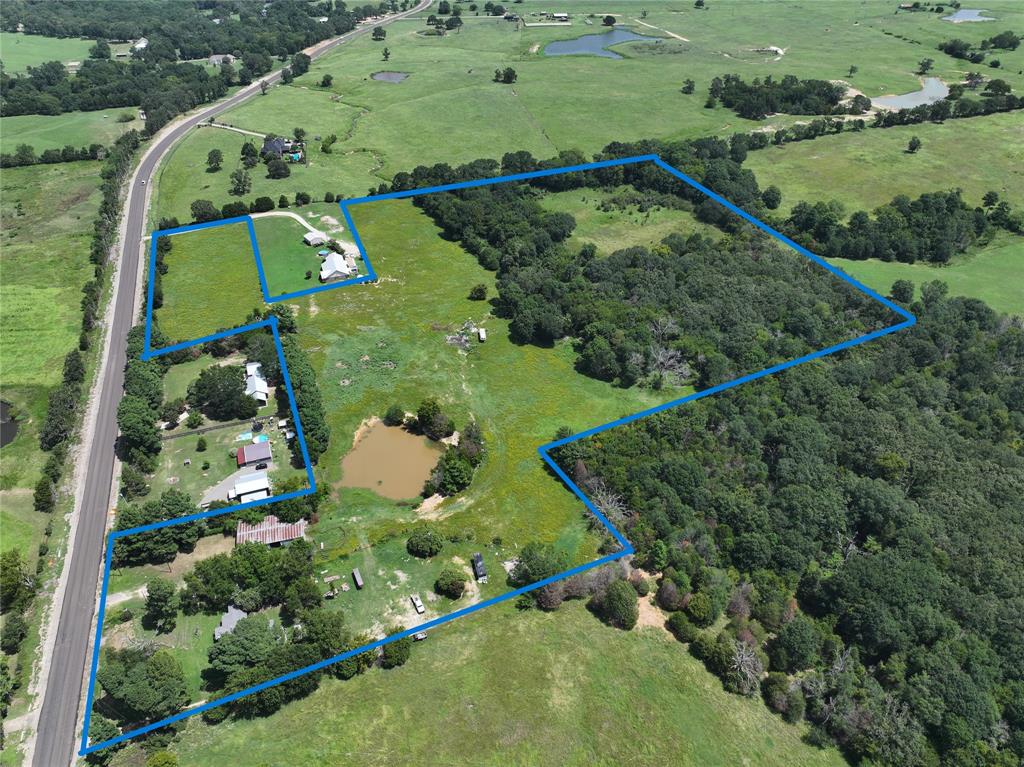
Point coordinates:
[(253, 454), (357, 578), (314, 238)]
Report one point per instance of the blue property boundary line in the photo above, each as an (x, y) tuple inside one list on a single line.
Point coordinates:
[(544, 450)]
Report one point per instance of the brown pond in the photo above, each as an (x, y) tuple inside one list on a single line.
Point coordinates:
[(390, 461)]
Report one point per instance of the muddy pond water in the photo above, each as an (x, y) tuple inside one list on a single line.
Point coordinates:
[(932, 90), (389, 77), (389, 460)]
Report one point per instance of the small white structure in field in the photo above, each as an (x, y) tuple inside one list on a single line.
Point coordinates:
[(481, 334), (314, 238)]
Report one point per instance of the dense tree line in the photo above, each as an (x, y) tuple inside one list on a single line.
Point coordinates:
[(933, 228), (790, 95), (25, 154), (156, 79), (856, 519)]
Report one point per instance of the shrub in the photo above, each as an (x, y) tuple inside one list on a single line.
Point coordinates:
[(396, 653), (201, 445), (681, 627), (617, 606), (700, 609), (451, 583), (478, 292), (395, 416), (424, 543)]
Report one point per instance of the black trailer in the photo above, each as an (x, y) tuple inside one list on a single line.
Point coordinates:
[(478, 568)]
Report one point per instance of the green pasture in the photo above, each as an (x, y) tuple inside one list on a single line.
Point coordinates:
[(374, 345), (75, 128), (46, 217), (441, 112), (510, 688), (992, 274), (211, 282), (867, 169)]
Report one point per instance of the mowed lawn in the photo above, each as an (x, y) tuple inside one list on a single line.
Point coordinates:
[(867, 169), (285, 257), (993, 274), (211, 282), (510, 688)]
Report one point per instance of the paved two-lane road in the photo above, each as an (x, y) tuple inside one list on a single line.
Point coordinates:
[(59, 715)]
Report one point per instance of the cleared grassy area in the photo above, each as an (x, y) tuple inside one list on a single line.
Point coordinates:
[(867, 169), (211, 282), (614, 229), (20, 51), (504, 688), (993, 274), (75, 128)]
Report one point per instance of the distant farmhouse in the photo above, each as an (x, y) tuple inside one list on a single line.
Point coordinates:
[(256, 385), (221, 58), (278, 146), (271, 531)]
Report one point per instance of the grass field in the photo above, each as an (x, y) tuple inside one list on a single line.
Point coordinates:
[(867, 169), (57, 131), (993, 274), (509, 688), (565, 102), (211, 282), (46, 220), (19, 51)]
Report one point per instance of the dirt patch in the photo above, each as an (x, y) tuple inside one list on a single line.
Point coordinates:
[(205, 548), (535, 47), (429, 508), (651, 616)]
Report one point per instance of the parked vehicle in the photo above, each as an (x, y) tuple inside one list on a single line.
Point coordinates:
[(419, 636), (478, 568), (418, 604), (261, 466)]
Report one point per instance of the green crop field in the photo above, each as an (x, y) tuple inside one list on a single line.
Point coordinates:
[(211, 282), (992, 274), (511, 688), (75, 128), (867, 169)]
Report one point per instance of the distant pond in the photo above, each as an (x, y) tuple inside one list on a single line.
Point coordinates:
[(389, 77), (967, 14), (931, 91), (594, 45), (8, 426), (389, 460)]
